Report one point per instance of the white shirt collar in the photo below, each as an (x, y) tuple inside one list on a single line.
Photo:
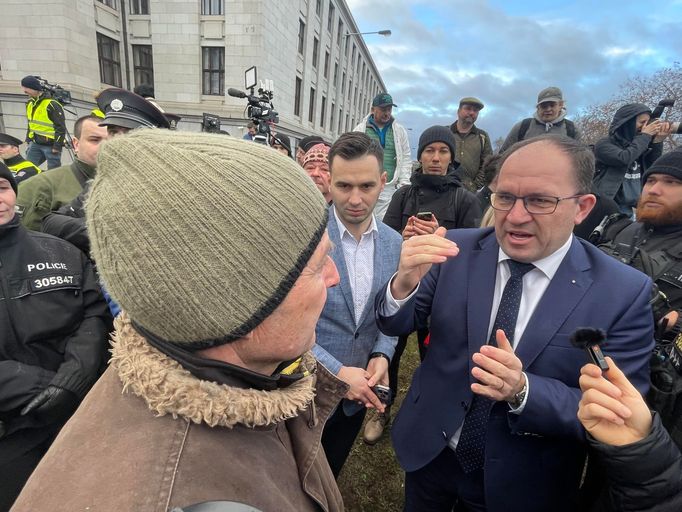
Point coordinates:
[(549, 264), (373, 229)]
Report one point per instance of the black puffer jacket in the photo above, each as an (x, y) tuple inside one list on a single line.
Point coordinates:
[(641, 477), (444, 196), (54, 326)]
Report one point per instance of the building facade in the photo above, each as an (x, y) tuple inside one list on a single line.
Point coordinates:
[(192, 51)]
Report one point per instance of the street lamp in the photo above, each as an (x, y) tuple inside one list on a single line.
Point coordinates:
[(385, 33)]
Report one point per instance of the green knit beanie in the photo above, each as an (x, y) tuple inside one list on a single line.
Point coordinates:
[(199, 237)]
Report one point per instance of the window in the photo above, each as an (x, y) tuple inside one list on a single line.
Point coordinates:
[(331, 117), (108, 3), (301, 36), (323, 111), (109, 60), (340, 120), (343, 83), (330, 18), (143, 63), (347, 121), (352, 60), (326, 64), (213, 70), (355, 96), (316, 50), (318, 7), (311, 110), (297, 97), (212, 7), (336, 74), (338, 33), (345, 50), (139, 6), (350, 88)]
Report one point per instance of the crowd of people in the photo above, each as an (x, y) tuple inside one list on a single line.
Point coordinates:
[(193, 318)]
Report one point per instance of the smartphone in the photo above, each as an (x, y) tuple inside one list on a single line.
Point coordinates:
[(425, 216), (383, 393)]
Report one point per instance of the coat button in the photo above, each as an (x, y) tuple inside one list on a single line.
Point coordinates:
[(357, 335)]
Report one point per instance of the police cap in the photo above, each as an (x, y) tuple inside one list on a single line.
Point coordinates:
[(127, 109), (8, 139)]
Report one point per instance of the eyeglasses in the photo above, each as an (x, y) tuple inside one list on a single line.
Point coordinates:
[(537, 205)]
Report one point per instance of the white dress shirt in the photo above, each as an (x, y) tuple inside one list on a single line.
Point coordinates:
[(359, 258), (535, 284)]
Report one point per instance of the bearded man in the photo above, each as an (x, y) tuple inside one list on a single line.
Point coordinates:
[(653, 245)]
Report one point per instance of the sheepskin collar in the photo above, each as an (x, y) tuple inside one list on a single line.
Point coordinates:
[(170, 389)]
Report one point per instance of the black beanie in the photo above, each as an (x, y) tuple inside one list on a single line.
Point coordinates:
[(436, 134), (32, 82), (309, 141), (8, 175), (670, 164)]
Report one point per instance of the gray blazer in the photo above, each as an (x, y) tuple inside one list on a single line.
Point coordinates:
[(343, 340)]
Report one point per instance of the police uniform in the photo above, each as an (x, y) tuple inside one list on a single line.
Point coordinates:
[(54, 326), (22, 168), (128, 110)]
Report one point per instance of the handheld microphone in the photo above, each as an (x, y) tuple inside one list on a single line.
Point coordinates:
[(589, 338)]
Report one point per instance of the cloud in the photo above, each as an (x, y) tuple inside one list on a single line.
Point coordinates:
[(505, 53)]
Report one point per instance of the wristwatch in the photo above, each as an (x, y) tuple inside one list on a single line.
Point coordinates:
[(519, 397), (380, 354)]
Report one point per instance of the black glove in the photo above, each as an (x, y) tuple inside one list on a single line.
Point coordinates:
[(52, 404), (2, 430)]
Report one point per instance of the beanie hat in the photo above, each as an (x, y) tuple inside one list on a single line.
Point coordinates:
[(200, 260), (308, 142), (282, 140), (670, 164), (7, 174), (436, 134), (318, 153), (32, 82)]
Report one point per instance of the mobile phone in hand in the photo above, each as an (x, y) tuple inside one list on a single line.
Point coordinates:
[(383, 393), (427, 216)]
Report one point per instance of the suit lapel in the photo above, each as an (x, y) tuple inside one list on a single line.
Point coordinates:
[(566, 289), (340, 262), (481, 288)]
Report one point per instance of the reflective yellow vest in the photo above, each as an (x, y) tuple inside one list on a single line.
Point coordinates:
[(23, 165), (38, 120)]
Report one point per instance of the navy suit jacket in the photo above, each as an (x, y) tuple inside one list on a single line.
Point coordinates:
[(533, 460), (342, 339)]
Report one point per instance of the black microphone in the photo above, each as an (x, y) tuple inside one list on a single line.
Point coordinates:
[(589, 338), (236, 93)]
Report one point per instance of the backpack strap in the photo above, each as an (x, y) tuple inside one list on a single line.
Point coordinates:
[(570, 128), (525, 124)]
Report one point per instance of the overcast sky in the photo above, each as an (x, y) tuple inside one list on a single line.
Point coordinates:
[(505, 52)]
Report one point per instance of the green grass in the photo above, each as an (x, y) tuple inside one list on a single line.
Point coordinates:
[(371, 479)]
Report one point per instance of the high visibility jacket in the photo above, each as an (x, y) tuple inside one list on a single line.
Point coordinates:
[(26, 164), (39, 123)]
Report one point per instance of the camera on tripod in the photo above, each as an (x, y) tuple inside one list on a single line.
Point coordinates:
[(259, 109), (57, 92)]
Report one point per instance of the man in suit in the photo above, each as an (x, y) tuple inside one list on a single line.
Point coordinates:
[(490, 419), (366, 253)]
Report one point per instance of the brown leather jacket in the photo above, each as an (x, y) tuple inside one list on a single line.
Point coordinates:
[(182, 441)]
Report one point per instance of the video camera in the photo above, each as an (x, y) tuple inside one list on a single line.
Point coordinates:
[(658, 112), (57, 92), (259, 108)]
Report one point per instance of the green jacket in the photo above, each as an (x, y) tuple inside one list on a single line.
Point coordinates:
[(472, 150), (50, 190)]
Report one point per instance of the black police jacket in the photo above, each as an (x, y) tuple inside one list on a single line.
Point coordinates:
[(54, 322)]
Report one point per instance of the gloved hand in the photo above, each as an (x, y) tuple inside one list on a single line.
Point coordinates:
[(52, 404)]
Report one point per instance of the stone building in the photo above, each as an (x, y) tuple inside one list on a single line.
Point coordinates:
[(192, 51)]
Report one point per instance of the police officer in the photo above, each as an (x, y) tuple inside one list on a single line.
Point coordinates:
[(9, 152), (653, 245), (54, 326), (46, 126)]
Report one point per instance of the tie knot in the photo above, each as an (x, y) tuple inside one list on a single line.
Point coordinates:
[(518, 269)]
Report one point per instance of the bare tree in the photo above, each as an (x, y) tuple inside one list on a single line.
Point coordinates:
[(594, 121)]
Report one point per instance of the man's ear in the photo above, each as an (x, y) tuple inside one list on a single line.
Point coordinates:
[(585, 203)]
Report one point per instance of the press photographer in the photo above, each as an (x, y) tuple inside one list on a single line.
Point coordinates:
[(46, 132), (653, 245)]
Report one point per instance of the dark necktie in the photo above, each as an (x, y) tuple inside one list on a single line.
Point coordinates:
[(471, 446)]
